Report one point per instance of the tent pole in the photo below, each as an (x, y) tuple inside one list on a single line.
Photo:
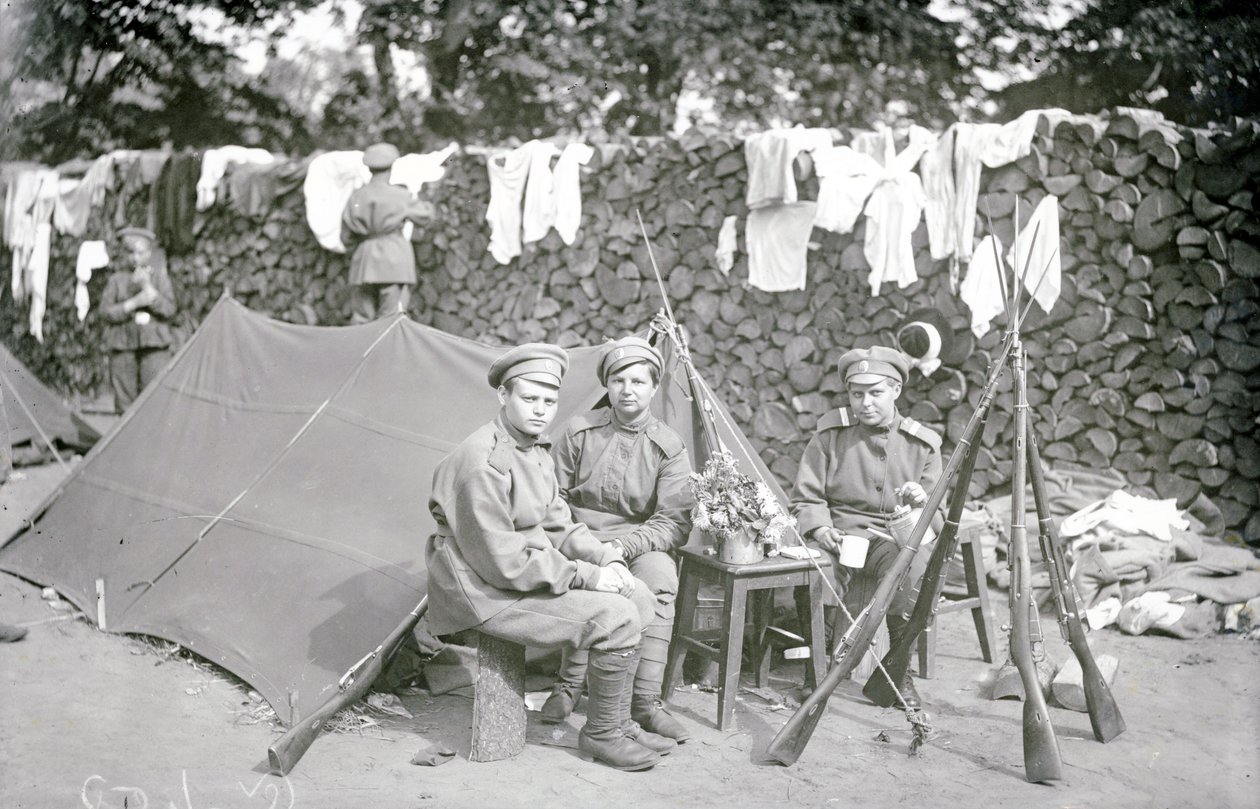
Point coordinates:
[(279, 456), (38, 427)]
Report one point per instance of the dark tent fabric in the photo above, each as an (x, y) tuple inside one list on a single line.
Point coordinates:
[(27, 401), (265, 502)]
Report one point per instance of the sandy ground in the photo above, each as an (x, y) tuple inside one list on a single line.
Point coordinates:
[(93, 719)]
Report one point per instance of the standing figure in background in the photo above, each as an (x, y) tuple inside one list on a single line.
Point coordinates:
[(382, 263), (138, 303), (624, 474)]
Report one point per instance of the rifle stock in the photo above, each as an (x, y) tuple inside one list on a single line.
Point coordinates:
[(1104, 714), (790, 741), (1042, 761), (356, 682)]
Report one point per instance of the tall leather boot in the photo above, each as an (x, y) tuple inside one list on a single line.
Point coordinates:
[(652, 741), (646, 707), (603, 738), (896, 629), (568, 687)]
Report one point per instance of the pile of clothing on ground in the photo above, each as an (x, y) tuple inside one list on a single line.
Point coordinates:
[(1137, 562)]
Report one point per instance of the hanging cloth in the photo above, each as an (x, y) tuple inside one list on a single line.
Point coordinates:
[(92, 256), (726, 245), (981, 289), (568, 189), (214, 164), (1040, 254), (330, 180), (778, 242), (508, 172), (770, 156)]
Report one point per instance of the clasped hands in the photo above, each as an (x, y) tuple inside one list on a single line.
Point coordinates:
[(615, 578)]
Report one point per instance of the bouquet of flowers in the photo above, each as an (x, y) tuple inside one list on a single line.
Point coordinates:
[(729, 504)]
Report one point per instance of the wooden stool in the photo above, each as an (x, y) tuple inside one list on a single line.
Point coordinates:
[(498, 726), (974, 598), (738, 582)]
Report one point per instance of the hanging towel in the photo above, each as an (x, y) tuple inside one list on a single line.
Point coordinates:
[(508, 172), (1040, 254), (726, 245), (770, 155), (540, 196), (568, 189), (330, 180), (981, 290), (936, 167), (92, 256), (412, 171), (778, 240), (214, 164), (75, 204)]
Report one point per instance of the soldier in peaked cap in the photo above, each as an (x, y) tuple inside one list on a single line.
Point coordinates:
[(382, 262), (138, 304), (624, 472), (508, 559), (864, 460)]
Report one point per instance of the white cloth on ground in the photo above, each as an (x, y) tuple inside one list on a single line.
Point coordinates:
[(1129, 514), (778, 240), (330, 180), (540, 197), (727, 245), (568, 189), (508, 172), (214, 163), (770, 155), (92, 256), (1040, 254), (981, 289)]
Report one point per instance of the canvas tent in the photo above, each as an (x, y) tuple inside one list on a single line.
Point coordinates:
[(265, 502), (32, 407)]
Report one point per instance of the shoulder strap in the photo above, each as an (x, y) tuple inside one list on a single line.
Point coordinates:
[(841, 417), (589, 420), (500, 459), (916, 430), (664, 436)]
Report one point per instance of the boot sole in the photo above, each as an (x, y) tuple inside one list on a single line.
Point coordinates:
[(628, 768)]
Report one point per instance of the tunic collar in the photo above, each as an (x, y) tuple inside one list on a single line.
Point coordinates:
[(637, 426), (519, 438), (885, 429)]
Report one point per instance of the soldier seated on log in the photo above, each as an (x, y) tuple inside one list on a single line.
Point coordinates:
[(508, 560), (865, 460), (624, 474)]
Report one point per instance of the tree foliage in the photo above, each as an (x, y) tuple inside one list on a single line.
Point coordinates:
[(87, 75), (1197, 61)]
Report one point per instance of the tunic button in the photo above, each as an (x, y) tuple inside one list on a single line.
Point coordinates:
[(883, 458), (879, 488)]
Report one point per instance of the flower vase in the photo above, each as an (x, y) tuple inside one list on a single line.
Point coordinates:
[(744, 548)]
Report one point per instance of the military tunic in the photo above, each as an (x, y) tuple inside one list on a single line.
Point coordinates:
[(371, 228), (847, 480), (626, 482), (507, 556)]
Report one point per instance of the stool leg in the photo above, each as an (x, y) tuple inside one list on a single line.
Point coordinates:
[(732, 649), (978, 588), (763, 612), (819, 656), (684, 625)]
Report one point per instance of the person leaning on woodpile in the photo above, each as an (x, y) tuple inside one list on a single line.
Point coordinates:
[(624, 474), (382, 262), (864, 461), (138, 305), (508, 560)]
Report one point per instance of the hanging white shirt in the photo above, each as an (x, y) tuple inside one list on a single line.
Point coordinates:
[(540, 192), (1039, 250), (770, 155), (330, 180), (508, 172), (92, 256), (568, 189), (981, 289), (778, 241)]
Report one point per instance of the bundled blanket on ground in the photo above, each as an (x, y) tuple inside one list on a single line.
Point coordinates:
[(1142, 562)]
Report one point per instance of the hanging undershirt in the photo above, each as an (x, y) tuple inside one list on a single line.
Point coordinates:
[(540, 193), (778, 241), (508, 172), (568, 189)]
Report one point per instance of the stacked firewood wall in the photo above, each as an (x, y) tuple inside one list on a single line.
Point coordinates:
[(1149, 363)]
